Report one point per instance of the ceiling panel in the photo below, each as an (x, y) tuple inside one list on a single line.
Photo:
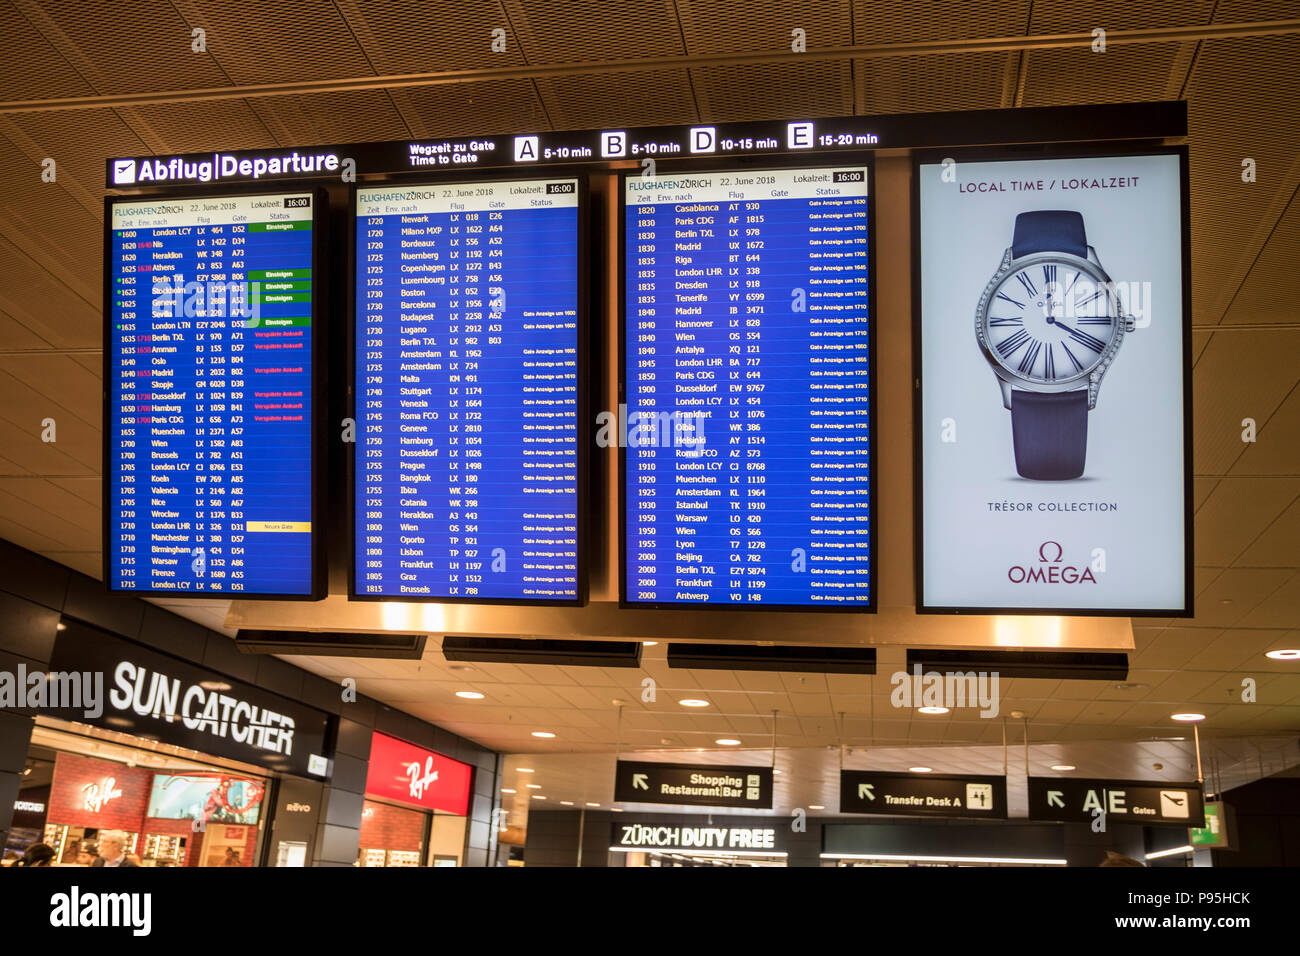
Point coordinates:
[(1237, 513), (739, 93), (1240, 375), (616, 100), (924, 84), (142, 46), (559, 31), (304, 40)]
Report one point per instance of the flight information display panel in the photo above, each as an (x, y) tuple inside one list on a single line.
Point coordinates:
[(209, 371), (467, 357), (747, 380)]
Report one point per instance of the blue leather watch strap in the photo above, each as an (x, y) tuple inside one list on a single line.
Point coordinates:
[(1049, 230), (1050, 433)]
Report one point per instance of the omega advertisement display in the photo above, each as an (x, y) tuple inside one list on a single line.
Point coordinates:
[(1051, 349)]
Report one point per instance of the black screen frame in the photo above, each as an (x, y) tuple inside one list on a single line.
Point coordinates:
[(687, 166), (1051, 151), (319, 356), (468, 178)]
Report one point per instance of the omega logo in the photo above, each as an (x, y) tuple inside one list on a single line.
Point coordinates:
[(1049, 569)]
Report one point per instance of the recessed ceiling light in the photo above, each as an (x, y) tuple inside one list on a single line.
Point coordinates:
[(932, 710), (469, 694), (774, 770), (506, 790), (567, 803), (727, 742), (214, 685), (815, 806), (921, 769), (533, 786), (617, 809), (60, 626), (593, 804), (693, 702), (538, 796), (543, 733), (1188, 717), (525, 770), (1287, 654), (1062, 767), (649, 643)]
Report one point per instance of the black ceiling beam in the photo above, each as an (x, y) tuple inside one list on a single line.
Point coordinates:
[(1044, 665), (785, 657), (513, 650)]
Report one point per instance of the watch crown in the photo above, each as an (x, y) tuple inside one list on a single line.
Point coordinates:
[(1130, 323)]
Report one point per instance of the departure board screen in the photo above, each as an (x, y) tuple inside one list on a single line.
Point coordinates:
[(747, 379), (467, 353), (208, 355)]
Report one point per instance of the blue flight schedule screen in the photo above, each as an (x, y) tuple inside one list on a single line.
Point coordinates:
[(210, 395), (747, 381), (467, 339)]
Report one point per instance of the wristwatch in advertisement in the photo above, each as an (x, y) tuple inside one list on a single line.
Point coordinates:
[(1050, 324)]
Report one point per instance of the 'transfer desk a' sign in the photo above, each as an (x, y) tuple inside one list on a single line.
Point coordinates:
[(1146, 803), (693, 785), (923, 795)]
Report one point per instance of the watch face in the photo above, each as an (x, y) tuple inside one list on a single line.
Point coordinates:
[(1050, 321)]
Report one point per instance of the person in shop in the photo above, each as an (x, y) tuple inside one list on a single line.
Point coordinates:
[(112, 851), (232, 857), (38, 854)]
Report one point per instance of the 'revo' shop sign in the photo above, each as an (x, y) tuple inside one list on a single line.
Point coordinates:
[(410, 774), (158, 697)]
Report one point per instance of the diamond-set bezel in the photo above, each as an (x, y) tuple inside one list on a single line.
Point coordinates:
[(1094, 376)]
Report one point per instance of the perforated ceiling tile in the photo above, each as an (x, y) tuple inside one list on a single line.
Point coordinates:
[(43, 304), (585, 31), (1250, 11), (603, 100), (33, 68), (1241, 100), (218, 124), (15, 336), (1276, 450), (418, 36), (1241, 375), (125, 47), (79, 142), (496, 106), (1121, 74), (1237, 513), (954, 81), (1083, 16), (1270, 293), (302, 40), (718, 26), (352, 117), (885, 21), (773, 91)]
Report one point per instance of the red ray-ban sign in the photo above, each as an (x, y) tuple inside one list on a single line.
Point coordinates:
[(411, 774)]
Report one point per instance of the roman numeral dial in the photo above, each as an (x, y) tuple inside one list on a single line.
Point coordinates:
[(1049, 322)]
